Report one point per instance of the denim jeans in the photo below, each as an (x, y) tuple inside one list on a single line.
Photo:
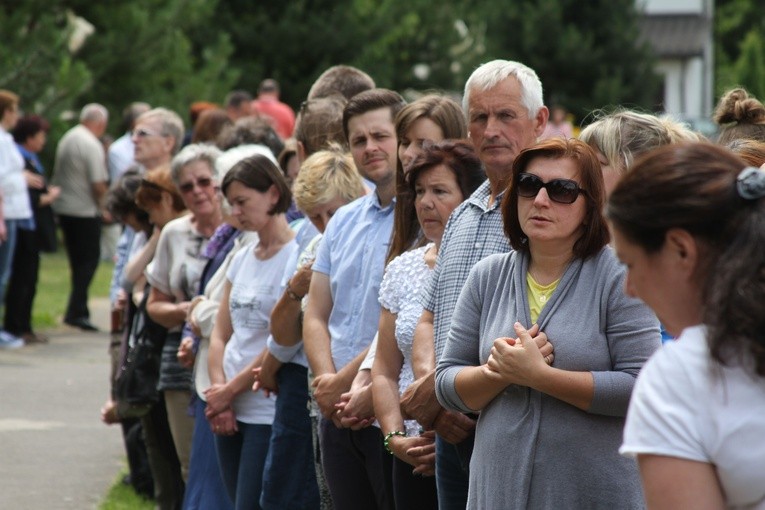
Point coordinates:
[(241, 458), (7, 248), (204, 488), (289, 480), (451, 477)]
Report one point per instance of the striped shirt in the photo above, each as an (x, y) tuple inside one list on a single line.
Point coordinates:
[(474, 232)]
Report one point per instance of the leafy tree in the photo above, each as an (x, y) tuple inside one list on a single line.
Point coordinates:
[(141, 51), (738, 45), (294, 42), (35, 58), (750, 65), (585, 53)]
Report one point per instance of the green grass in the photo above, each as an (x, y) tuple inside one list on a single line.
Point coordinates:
[(123, 497), (53, 288)]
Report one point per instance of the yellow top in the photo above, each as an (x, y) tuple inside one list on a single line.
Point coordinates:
[(538, 295)]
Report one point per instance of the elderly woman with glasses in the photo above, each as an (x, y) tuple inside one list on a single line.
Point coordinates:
[(174, 275), (550, 427)]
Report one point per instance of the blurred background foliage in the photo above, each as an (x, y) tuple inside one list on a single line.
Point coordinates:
[(60, 54)]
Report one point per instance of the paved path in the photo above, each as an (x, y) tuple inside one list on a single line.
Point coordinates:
[(54, 451)]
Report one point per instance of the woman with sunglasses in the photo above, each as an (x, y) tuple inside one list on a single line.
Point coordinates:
[(549, 428), (174, 275), (688, 224)]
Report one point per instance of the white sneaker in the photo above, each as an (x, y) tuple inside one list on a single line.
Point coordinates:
[(8, 341)]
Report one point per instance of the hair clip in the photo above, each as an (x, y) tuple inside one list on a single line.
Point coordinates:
[(750, 183)]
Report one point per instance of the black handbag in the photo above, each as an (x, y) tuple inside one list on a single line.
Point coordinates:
[(135, 389)]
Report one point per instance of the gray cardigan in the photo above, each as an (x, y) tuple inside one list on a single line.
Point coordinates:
[(533, 450)]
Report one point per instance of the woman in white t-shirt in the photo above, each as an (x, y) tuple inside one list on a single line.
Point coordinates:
[(241, 419), (689, 223)]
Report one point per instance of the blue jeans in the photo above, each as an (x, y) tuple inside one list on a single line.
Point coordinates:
[(204, 487), (289, 481), (7, 249), (241, 458), (451, 477)]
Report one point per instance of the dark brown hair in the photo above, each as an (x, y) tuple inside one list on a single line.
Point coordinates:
[(693, 187), (260, 173), (458, 156), (28, 126), (371, 100), (121, 198), (595, 235)]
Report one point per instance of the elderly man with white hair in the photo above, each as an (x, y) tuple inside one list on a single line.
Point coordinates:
[(80, 172), (503, 103)]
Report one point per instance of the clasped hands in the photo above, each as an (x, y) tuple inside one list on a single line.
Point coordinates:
[(520, 360), (218, 411), (351, 409)]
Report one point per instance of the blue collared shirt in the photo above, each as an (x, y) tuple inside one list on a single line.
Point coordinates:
[(352, 253)]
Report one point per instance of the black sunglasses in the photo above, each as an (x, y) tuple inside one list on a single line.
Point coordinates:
[(563, 191), (188, 187)]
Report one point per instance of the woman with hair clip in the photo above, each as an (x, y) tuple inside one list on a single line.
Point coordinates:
[(689, 224), (241, 419)]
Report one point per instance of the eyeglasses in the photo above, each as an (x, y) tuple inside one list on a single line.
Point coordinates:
[(563, 191), (145, 133), (188, 187)]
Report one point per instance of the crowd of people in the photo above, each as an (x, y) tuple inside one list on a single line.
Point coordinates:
[(375, 304)]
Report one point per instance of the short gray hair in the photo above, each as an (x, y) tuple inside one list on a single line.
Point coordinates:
[(171, 124), (94, 112), (490, 74), (195, 152)]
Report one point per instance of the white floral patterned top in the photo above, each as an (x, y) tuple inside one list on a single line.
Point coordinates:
[(404, 278)]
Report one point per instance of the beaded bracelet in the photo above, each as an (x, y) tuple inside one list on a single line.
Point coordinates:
[(389, 435)]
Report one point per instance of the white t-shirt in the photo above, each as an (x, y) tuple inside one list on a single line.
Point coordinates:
[(686, 405), (256, 285)]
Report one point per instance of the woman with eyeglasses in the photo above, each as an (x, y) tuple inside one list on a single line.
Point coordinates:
[(688, 224), (174, 275), (550, 427)]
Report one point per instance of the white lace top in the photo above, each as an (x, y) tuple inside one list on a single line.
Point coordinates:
[(400, 294)]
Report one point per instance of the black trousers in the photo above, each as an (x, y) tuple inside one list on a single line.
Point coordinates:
[(82, 238), (22, 285), (163, 459), (358, 470)]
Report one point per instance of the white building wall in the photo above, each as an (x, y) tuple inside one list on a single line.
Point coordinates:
[(683, 87), (672, 6)]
